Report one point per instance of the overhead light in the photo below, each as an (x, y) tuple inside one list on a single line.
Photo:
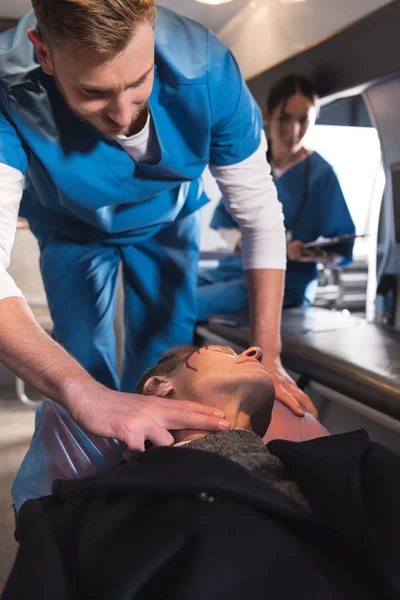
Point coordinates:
[(291, 1), (214, 2)]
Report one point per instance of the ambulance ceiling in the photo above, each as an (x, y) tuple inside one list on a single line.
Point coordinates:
[(261, 33)]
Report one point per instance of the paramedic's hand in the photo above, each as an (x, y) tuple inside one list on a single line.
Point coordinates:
[(297, 252), (134, 418), (286, 389)]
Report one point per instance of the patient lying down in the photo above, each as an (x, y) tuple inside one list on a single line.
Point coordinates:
[(237, 384), (220, 515), (213, 375)]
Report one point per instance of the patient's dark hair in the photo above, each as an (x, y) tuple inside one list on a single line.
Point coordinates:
[(168, 362)]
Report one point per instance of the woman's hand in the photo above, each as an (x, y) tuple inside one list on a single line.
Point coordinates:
[(297, 252)]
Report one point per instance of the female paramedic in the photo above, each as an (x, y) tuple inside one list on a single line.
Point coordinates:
[(109, 114), (312, 200)]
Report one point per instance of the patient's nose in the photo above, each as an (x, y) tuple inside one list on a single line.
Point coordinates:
[(253, 352)]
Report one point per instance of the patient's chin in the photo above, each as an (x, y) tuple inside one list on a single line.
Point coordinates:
[(257, 402)]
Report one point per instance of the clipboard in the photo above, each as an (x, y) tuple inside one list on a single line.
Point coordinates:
[(323, 242)]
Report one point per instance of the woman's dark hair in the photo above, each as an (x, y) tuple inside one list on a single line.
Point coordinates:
[(286, 87), (282, 90)]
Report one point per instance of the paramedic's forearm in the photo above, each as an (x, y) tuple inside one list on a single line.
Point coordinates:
[(37, 359), (265, 289), (131, 418)]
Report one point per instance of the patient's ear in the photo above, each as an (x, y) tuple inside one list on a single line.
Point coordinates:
[(158, 386)]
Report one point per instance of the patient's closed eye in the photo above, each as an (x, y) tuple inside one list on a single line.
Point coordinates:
[(222, 349)]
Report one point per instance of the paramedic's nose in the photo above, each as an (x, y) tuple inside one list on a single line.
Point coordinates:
[(253, 352), (296, 131), (122, 112)]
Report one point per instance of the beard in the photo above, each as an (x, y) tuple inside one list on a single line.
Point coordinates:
[(102, 123), (109, 129)]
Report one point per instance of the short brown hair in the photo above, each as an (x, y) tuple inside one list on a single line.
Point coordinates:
[(168, 362), (105, 26)]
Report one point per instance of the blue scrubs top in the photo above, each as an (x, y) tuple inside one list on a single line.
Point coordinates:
[(84, 187), (325, 213)]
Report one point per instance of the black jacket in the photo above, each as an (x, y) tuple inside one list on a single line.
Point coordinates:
[(183, 524)]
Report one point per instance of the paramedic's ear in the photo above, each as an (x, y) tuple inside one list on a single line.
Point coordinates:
[(158, 386), (42, 51)]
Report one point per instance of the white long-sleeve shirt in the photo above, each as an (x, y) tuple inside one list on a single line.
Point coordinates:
[(11, 189), (247, 188)]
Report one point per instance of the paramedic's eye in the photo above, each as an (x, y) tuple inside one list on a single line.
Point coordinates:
[(141, 81), (92, 93)]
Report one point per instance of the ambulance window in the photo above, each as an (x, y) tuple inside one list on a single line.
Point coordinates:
[(354, 152)]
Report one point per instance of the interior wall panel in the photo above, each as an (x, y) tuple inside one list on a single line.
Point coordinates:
[(366, 51), (383, 104)]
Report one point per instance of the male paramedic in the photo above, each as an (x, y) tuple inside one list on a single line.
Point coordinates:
[(108, 116)]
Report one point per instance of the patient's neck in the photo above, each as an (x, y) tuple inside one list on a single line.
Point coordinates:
[(237, 418)]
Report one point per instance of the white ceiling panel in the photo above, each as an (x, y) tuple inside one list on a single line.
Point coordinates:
[(14, 9), (261, 33), (282, 28)]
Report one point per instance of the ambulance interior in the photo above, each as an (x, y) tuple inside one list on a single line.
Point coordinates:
[(344, 350)]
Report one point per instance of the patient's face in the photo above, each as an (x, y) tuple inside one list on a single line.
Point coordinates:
[(217, 368), (238, 384), (218, 376)]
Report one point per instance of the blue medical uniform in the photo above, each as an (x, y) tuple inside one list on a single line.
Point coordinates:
[(325, 212), (91, 206)]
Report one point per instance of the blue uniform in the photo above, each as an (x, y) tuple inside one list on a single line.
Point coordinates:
[(325, 212), (90, 205)]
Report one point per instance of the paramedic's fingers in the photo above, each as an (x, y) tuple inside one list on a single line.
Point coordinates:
[(154, 421), (126, 417), (192, 406), (286, 389), (324, 257), (301, 398), (295, 250), (312, 254), (157, 435), (185, 418), (151, 432)]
